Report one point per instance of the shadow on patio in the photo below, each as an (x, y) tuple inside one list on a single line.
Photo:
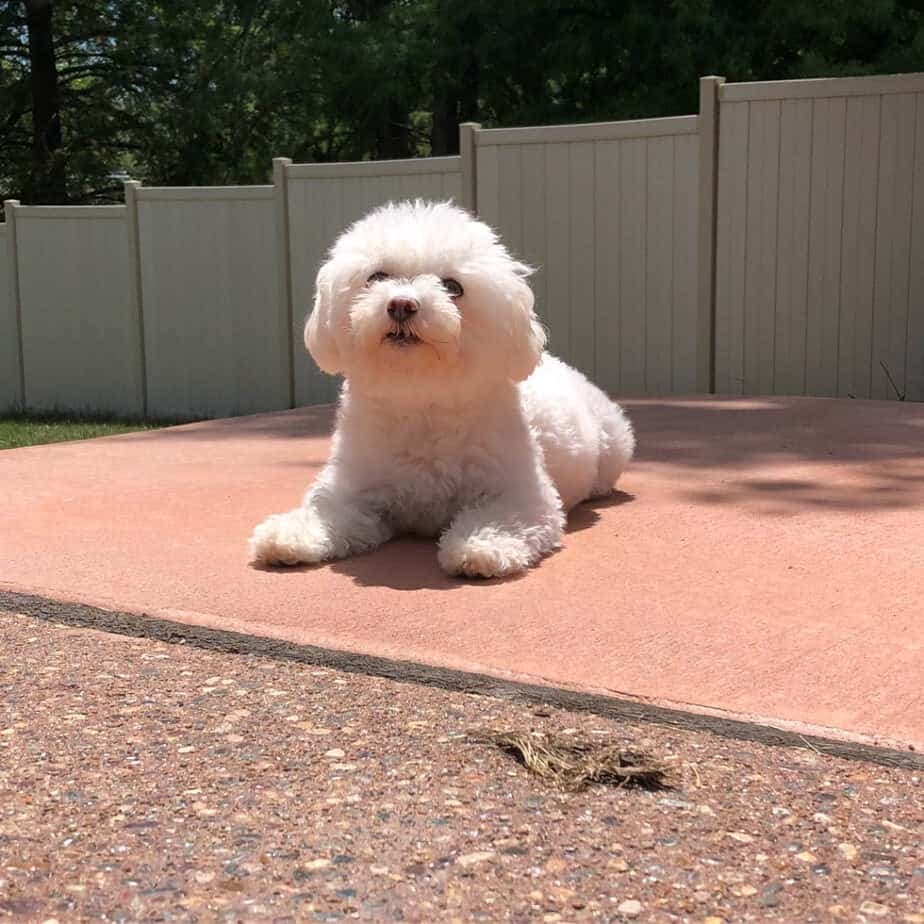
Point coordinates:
[(785, 455)]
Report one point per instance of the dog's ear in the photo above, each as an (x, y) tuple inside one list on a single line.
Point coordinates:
[(527, 336), (319, 332)]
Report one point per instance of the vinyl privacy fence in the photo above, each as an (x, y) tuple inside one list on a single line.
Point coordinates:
[(772, 244)]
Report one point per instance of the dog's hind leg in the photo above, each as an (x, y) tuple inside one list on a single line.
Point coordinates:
[(617, 443)]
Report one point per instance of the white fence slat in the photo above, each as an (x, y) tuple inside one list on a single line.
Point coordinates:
[(582, 207), (893, 244), (534, 222), (608, 217), (826, 209), (659, 262), (633, 204), (861, 174), (464, 192), (760, 265), (489, 180), (687, 336), (10, 360), (795, 166), (731, 247), (914, 340), (558, 249), (450, 188), (283, 270), (705, 174), (509, 195)]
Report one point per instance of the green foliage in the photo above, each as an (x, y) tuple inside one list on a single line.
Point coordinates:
[(207, 93)]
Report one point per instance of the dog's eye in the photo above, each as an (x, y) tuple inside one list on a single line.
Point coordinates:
[(452, 287), (378, 276)]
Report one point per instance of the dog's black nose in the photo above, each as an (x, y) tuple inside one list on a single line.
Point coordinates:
[(400, 309)]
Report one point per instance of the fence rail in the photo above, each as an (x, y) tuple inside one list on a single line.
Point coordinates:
[(774, 243), (591, 131)]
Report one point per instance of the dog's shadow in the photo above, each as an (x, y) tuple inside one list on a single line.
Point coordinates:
[(587, 514), (409, 563), (406, 563)]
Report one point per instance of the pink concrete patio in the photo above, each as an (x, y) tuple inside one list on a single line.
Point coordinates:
[(765, 560)]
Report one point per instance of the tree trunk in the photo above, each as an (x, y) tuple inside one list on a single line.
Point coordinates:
[(394, 141), (455, 77), (48, 179), (444, 134)]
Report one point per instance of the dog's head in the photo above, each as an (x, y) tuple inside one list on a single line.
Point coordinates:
[(420, 295)]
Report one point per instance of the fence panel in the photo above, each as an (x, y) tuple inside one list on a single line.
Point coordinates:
[(215, 334), (914, 339), (80, 337), (10, 373), (820, 238), (608, 213), (323, 200)]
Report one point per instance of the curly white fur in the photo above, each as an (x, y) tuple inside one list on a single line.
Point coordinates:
[(453, 422)]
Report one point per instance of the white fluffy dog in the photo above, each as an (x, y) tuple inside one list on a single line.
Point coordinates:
[(453, 422)]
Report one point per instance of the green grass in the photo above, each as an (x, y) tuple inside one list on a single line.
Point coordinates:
[(31, 428)]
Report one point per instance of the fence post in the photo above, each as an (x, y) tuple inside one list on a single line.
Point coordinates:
[(283, 263), (469, 155), (135, 285), (19, 375), (708, 208)]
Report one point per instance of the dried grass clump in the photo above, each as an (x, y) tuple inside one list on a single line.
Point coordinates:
[(574, 765)]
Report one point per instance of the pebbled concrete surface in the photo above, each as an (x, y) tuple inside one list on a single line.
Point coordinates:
[(141, 780)]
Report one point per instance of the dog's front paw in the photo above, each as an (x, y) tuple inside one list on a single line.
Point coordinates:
[(499, 555), (290, 539)]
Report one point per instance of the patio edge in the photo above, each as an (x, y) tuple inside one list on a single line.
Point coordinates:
[(612, 706)]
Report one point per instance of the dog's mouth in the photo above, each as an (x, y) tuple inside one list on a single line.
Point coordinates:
[(401, 336)]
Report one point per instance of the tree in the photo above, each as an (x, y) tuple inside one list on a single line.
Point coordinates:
[(207, 93), (60, 141)]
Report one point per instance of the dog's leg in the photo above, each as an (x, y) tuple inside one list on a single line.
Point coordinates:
[(503, 537), (324, 529)]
